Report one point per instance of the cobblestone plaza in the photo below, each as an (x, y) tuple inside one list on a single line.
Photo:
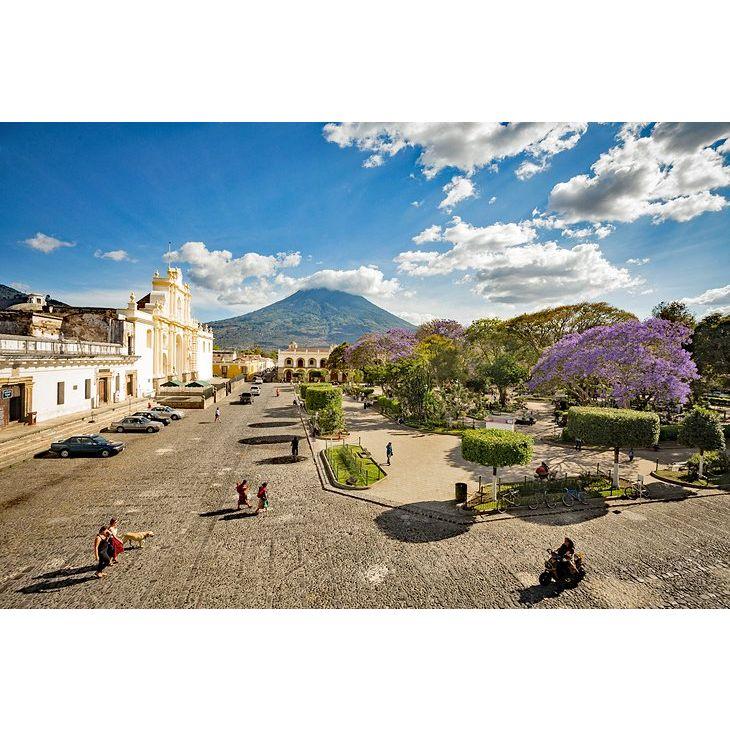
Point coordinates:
[(316, 549)]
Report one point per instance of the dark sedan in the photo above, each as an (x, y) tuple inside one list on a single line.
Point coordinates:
[(154, 416), (91, 445)]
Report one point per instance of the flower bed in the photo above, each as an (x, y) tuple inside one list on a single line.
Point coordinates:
[(349, 467)]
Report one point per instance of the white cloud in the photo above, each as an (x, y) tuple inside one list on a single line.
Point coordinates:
[(715, 299), (506, 265), (527, 169), (415, 317), (46, 244), (417, 203), (549, 274), (220, 272), (471, 245), (367, 281), (116, 255), (459, 188), (432, 233), (492, 200), (638, 262), (596, 231), (667, 173), (467, 146)]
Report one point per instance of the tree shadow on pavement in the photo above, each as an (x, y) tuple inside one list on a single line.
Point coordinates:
[(423, 522), (272, 424), (279, 438), (281, 460)]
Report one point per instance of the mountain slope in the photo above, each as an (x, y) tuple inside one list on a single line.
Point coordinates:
[(310, 317)]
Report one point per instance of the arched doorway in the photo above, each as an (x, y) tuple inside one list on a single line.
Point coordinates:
[(300, 362), (287, 376)]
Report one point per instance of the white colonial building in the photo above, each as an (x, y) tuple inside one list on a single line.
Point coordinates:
[(57, 360), (170, 343), (307, 364)]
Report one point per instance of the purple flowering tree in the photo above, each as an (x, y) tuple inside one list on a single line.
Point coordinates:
[(448, 328), (639, 363), (380, 347)]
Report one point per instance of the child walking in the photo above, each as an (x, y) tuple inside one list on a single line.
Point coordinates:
[(263, 497)]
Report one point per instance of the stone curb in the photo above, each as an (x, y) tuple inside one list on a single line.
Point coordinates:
[(680, 483)]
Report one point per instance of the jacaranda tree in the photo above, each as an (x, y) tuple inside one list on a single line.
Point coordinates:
[(634, 363)]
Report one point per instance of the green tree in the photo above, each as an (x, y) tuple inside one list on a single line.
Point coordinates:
[(412, 386), (336, 359), (497, 448), (331, 419), (615, 427), (711, 352), (539, 330), (701, 429), (504, 372), (674, 312), (442, 356)]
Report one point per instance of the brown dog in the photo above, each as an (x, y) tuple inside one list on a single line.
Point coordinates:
[(136, 537)]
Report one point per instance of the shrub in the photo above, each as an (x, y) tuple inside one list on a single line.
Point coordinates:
[(388, 406), (615, 427), (496, 447), (714, 464), (368, 391), (701, 429), (669, 432), (303, 389), (349, 459), (331, 419), (321, 395)]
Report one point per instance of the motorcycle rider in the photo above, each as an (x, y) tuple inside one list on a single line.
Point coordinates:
[(565, 554)]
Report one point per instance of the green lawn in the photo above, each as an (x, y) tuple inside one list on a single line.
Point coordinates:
[(721, 480), (355, 471)]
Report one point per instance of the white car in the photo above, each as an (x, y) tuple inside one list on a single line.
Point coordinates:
[(258, 380), (255, 390)]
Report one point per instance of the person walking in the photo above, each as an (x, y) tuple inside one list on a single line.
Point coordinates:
[(263, 497), (101, 551), (631, 454), (579, 444), (295, 448), (242, 489), (217, 415), (117, 546), (389, 451)]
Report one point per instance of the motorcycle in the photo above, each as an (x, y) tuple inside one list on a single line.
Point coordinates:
[(561, 571)]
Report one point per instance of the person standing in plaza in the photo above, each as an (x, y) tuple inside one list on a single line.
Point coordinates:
[(242, 489), (389, 451), (217, 415), (631, 454), (295, 448), (102, 551), (263, 497), (117, 546)]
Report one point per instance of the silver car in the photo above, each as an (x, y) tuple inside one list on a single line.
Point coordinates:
[(174, 413), (135, 423)]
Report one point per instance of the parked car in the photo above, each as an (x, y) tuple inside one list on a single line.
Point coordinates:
[(174, 413), (258, 380), (255, 390), (87, 445), (162, 418), (135, 423), (245, 398)]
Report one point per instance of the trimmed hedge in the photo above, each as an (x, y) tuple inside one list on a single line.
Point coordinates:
[(701, 429), (388, 406), (321, 395), (670, 432), (615, 427), (496, 447), (331, 418)]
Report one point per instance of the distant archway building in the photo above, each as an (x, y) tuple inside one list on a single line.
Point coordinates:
[(307, 364)]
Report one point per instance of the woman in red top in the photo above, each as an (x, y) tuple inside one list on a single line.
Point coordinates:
[(242, 489), (263, 497), (116, 544)]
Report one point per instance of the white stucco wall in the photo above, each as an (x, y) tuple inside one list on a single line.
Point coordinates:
[(204, 356)]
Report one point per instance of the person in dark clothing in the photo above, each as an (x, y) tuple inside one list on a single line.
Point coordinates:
[(295, 448), (579, 444), (565, 554), (103, 550), (389, 452)]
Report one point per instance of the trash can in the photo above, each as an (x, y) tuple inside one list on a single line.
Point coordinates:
[(460, 492)]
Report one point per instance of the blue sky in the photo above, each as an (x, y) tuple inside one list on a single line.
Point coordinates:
[(515, 216)]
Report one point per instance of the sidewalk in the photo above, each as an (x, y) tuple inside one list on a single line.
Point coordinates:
[(425, 466)]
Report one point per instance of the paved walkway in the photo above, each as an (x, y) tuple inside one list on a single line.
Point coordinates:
[(426, 466)]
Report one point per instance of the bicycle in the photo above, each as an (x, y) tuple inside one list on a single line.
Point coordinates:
[(636, 490), (546, 497), (572, 495), (508, 499)]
